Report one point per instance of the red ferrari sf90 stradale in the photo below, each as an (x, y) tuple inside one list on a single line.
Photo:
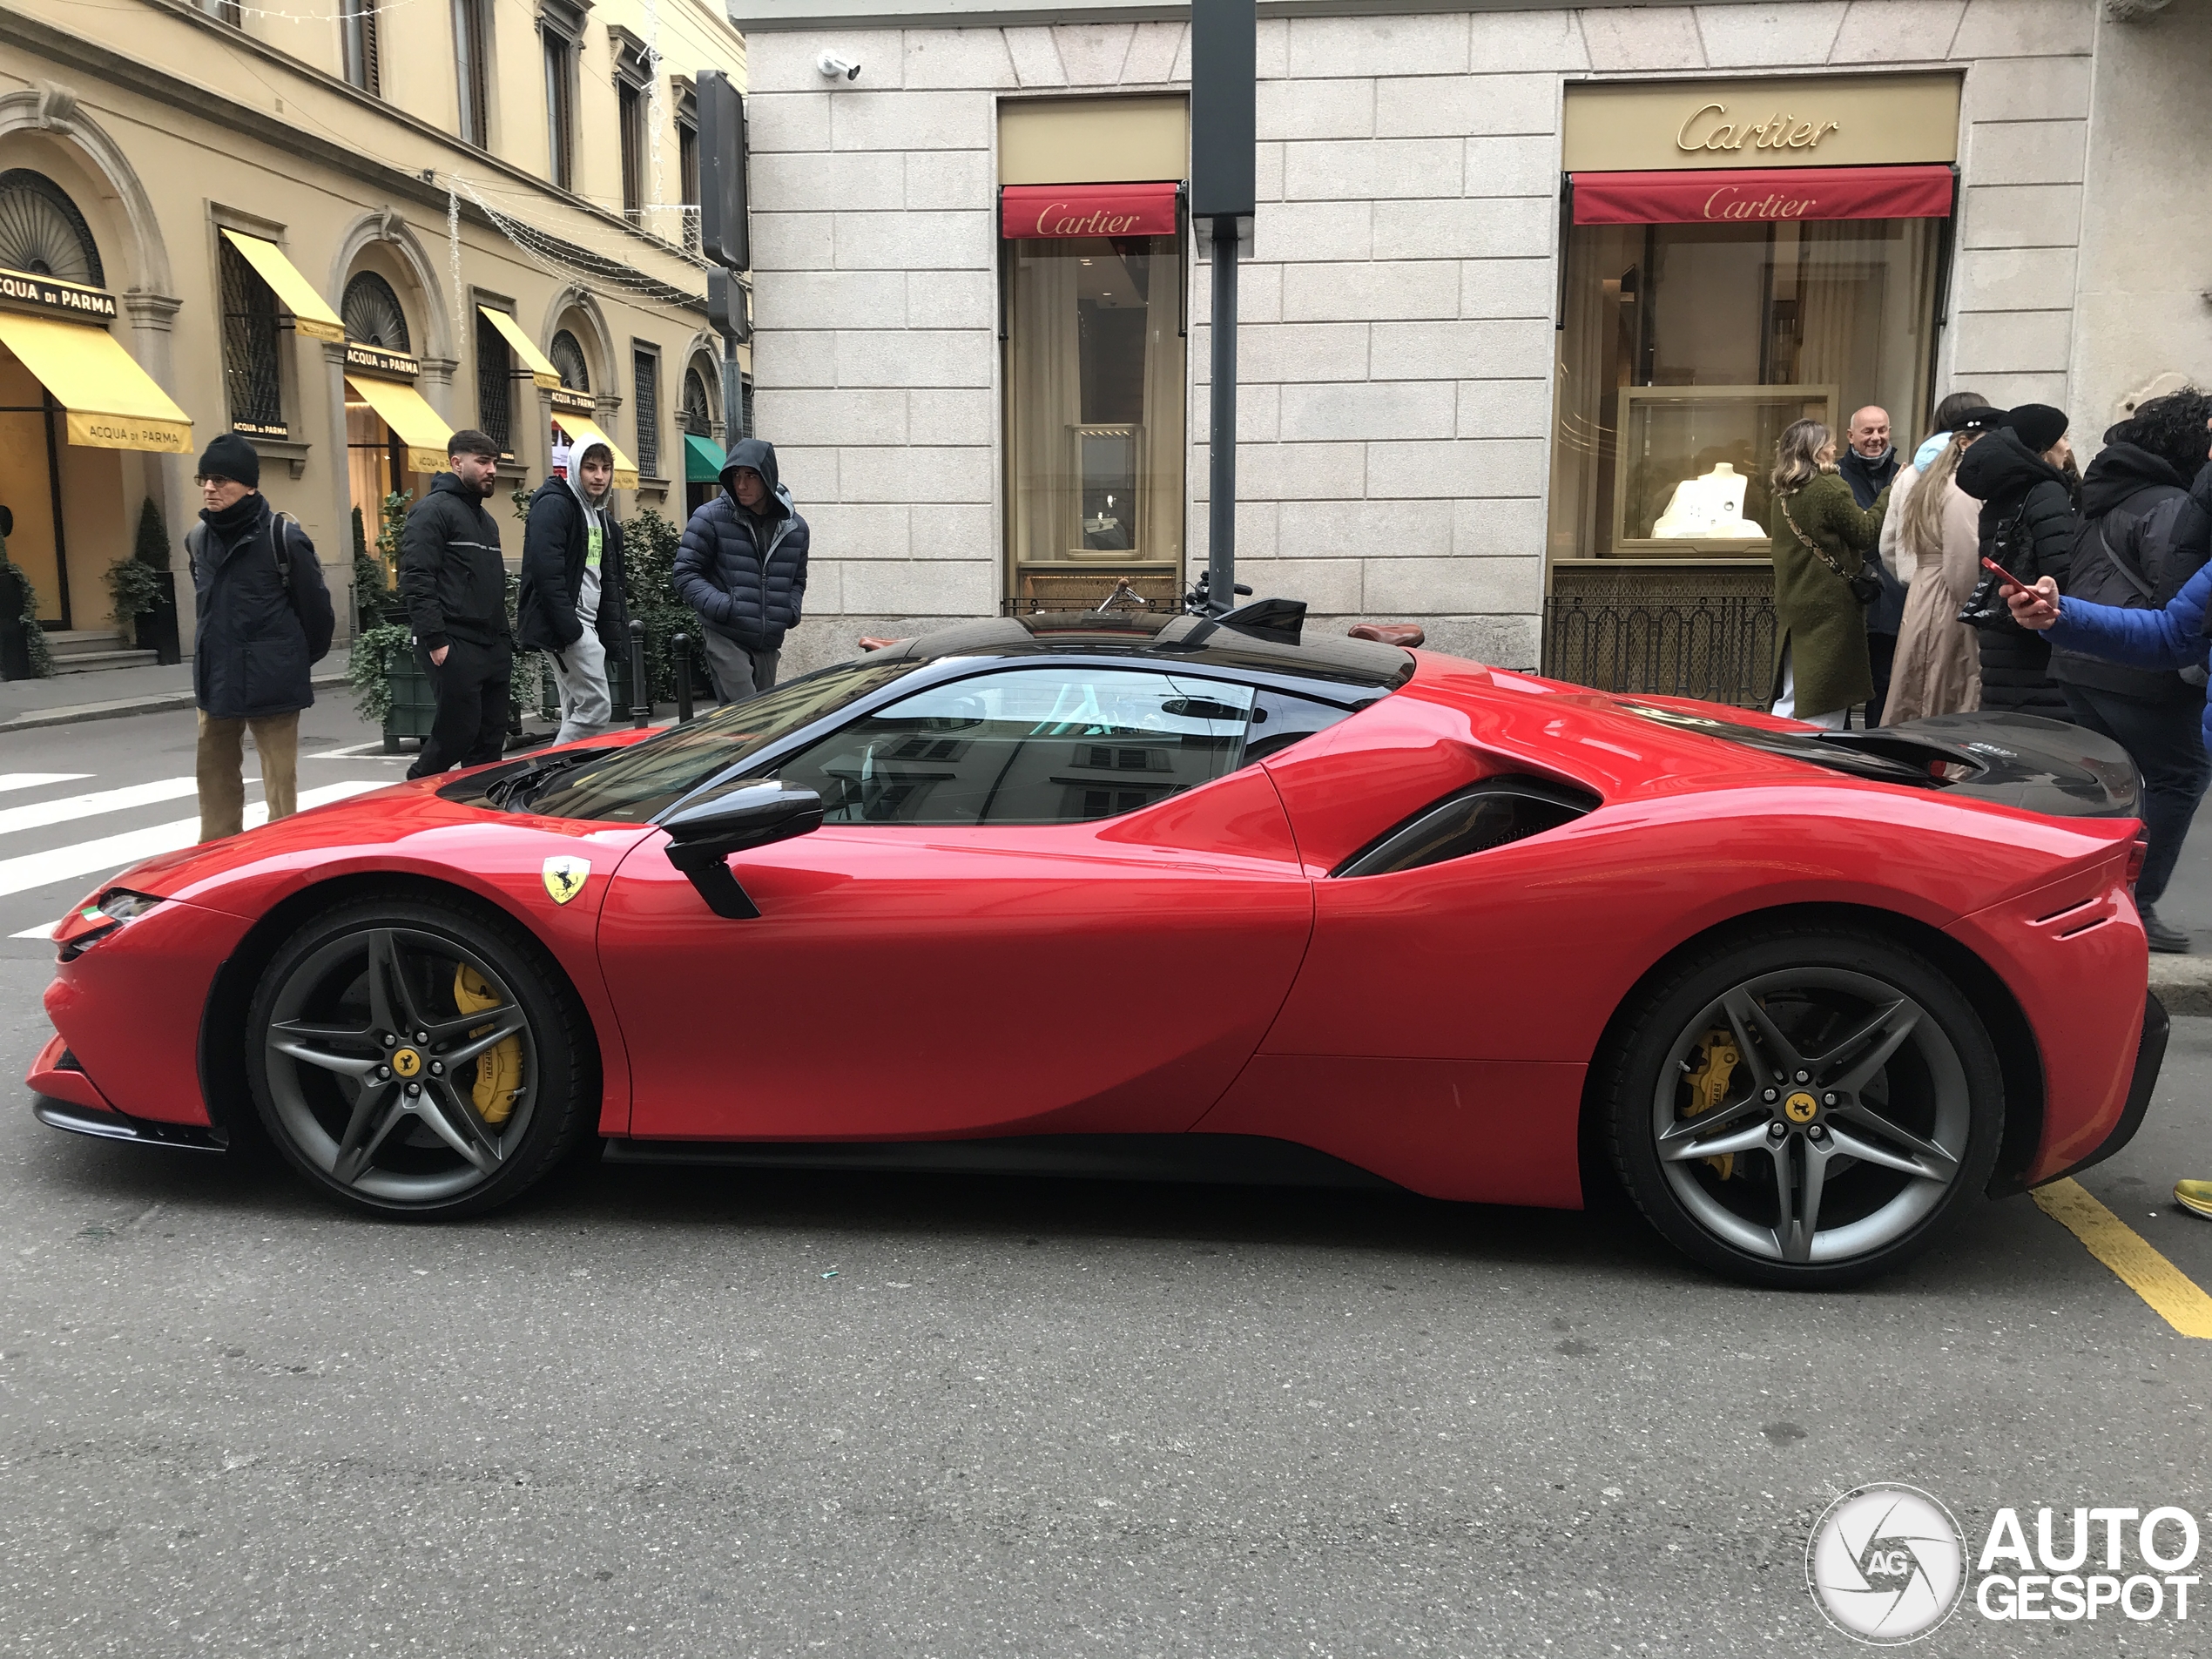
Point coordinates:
[(1200, 899)]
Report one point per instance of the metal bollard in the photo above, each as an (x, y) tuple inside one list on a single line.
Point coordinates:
[(681, 647), (640, 696)]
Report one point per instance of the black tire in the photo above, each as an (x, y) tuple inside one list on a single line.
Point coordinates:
[(367, 1111), (1889, 1157)]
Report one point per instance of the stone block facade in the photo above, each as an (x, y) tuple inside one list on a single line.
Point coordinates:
[(1397, 319)]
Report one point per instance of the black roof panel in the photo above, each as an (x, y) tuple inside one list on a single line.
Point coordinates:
[(1192, 640)]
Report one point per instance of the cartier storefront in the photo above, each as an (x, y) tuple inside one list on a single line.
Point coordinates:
[(1738, 255)]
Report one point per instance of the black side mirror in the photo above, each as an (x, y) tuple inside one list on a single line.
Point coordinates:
[(701, 838)]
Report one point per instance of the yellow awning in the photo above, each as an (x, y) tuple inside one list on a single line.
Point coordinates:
[(309, 314), (405, 411), (542, 372), (112, 403), (583, 431)]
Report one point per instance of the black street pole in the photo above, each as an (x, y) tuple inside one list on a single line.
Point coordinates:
[(1224, 62), (1221, 506)]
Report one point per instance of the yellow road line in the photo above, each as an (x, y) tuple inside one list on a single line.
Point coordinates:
[(2173, 1295)]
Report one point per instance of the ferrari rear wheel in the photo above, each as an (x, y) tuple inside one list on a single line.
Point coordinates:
[(1805, 1108), (413, 1060)]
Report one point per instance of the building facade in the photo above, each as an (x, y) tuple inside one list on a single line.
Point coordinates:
[(346, 228), (1530, 291)]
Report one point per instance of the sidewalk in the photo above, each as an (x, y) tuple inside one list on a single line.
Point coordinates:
[(106, 694)]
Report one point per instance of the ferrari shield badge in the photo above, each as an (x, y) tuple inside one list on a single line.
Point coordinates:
[(565, 875)]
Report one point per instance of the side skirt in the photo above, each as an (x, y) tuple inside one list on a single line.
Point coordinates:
[(1229, 1160)]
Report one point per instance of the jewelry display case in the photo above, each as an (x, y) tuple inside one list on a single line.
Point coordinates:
[(1691, 466)]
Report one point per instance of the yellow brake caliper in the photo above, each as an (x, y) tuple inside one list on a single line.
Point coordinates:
[(499, 1069), (1708, 1085)]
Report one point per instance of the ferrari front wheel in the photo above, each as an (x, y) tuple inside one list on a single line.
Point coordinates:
[(413, 1060), (1804, 1108)]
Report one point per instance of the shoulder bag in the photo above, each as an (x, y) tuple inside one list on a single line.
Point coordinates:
[(1985, 606), (1865, 587)]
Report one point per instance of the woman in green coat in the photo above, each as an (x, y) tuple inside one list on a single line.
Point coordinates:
[(1822, 539)]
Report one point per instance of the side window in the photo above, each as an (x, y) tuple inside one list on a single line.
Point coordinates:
[(1281, 718), (1033, 746)]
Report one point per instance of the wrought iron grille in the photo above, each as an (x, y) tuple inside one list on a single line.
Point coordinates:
[(250, 360), (372, 312), (1721, 650), (568, 356), (645, 370), (695, 417), (495, 379), (41, 231)]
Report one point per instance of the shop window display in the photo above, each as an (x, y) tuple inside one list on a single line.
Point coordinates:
[(1095, 393), (1687, 348)]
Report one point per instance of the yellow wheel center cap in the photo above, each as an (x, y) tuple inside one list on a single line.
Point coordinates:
[(1801, 1108), (407, 1063)]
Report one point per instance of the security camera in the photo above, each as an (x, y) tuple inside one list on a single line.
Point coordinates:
[(833, 67)]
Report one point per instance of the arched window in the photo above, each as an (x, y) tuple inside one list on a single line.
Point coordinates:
[(250, 360), (567, 354), (372, 314), (696, 415), (41, 231)]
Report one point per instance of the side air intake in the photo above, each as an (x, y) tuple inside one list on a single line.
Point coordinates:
[(1494, 812)]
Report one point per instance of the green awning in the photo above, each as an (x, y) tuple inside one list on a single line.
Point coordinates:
[(702, 460)]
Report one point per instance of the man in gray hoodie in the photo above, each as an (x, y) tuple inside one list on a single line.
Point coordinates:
[(570, 601)]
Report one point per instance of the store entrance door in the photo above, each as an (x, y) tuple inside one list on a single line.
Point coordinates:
[(30, 490)]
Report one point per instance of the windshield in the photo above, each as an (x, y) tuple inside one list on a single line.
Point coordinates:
[(636, 785)]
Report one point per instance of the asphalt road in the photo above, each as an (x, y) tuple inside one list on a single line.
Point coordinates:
[(711, 1412)]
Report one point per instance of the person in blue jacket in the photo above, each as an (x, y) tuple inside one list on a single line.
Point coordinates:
[(2173, 637)]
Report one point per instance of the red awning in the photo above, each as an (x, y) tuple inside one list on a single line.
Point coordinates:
[(1031, 211), (1768, 193)]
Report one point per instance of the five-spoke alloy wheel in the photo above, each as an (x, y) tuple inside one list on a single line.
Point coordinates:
[(1804, 1108), (415, 1060)]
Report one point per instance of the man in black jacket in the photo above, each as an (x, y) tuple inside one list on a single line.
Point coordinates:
[(1868, 464), (455, 587), (742, 566), (265, 618), (2144, 534), (570, 605)]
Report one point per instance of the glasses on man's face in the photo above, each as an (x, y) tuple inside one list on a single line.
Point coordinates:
[(210, 481)]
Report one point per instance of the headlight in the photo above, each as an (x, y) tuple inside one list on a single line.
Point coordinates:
[(120, 904), (89, 924)]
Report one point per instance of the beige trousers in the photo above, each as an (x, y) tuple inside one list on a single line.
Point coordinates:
[(222, 771)]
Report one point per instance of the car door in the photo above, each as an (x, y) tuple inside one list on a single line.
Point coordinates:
[(1047, 898)]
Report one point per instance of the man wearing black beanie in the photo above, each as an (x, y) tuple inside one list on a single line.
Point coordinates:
[(264, 619)]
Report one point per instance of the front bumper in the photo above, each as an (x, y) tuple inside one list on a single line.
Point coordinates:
[(68, 1099)]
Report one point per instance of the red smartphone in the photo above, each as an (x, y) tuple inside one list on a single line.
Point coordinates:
[(2005, 575)]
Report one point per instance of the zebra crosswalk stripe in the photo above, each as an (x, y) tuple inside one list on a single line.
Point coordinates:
[(39, 813), (29, 870)]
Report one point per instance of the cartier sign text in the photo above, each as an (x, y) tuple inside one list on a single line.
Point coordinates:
[(1709, 128)]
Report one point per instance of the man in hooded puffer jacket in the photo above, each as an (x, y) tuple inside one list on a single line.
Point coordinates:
[(570, 604), (742, 566)]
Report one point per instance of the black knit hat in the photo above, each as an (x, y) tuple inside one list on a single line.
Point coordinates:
[(2037, 425), (231, 456)]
